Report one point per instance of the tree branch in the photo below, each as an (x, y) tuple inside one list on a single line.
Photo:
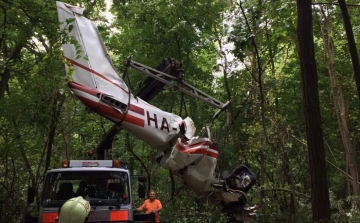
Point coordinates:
[(333, 3)]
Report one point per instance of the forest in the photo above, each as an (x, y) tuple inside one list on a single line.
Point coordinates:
[(290, 69)]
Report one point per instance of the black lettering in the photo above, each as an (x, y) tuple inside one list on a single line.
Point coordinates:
[(152, 119), (164, 125)]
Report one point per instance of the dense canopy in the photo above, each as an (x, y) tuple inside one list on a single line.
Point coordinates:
[(290, 69)]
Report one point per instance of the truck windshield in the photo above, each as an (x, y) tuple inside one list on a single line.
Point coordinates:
[(100, 188)]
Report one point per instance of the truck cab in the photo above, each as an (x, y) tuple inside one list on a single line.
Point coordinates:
[(104, 183)]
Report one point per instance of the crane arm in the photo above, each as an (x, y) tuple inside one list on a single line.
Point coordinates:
[(176, 83)]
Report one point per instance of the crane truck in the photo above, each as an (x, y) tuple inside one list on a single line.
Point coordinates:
[(106, 183)]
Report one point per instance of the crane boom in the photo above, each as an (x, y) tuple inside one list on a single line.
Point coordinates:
[(176, 83)]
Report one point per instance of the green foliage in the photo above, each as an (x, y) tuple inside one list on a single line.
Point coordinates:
[(36, 99)]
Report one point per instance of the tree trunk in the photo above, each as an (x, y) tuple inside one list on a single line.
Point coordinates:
[(289, 176), (288, 171), (259, 72), (66, 131), (235, 130), (52, 129), (315, 142), (339, 105), (257, 118), (5, 76), (130, 148), (352, 45)]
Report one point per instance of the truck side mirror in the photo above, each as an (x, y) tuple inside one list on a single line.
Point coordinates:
[(141, 187), (30, 195)]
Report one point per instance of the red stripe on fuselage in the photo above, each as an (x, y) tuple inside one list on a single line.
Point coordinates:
[(136, 109), (96, 93), (83, 88), (94, 72), (111, 112), (201, 151), (205, 143)]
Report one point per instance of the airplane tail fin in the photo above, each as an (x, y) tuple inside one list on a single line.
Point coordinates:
[(84, 49)]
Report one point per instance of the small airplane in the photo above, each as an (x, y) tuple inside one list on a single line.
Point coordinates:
[(97, 84)]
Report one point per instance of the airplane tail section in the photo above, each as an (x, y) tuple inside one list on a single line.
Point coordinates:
[(87, 55)]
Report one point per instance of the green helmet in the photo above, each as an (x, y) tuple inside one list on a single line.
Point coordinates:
[(74, 210)]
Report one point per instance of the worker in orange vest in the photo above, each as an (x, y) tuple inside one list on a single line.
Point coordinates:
[(151, 205)]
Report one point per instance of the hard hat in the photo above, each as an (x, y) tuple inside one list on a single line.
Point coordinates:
[(74, 210)]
